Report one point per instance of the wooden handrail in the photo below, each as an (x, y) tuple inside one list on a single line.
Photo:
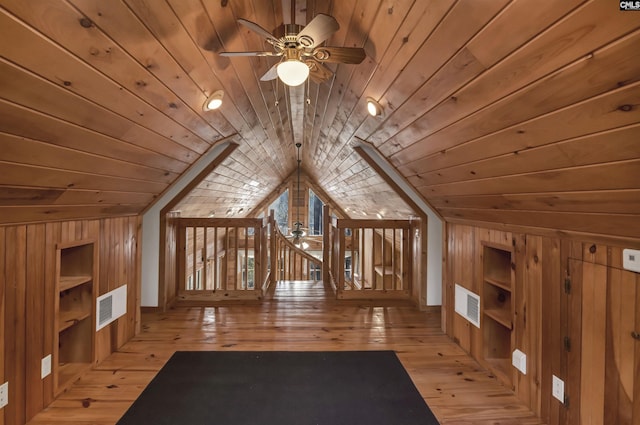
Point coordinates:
[(292, 263), (293, 247)]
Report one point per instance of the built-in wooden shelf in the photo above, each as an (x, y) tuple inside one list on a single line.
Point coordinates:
[(497, 303), (497, 310), (70, 318), (500, 316), (74, 324), (500, 284), (68, 282)]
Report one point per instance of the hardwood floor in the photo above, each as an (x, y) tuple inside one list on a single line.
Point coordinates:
[(296, 316)]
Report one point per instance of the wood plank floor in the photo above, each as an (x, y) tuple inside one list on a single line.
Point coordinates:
[(297, 316)]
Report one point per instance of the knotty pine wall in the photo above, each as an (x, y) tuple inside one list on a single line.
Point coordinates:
[(27, 296), (545, 314)]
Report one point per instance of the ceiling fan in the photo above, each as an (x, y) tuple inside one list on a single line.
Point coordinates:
[(300, 51)]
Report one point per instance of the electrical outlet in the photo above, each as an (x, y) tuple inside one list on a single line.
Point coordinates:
[(45, 369), (4, 394), (557, 388), (519, 361)]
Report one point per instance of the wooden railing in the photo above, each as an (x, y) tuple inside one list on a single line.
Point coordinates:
[(294, 263), (221, 259), (237, 259), (370, 258)]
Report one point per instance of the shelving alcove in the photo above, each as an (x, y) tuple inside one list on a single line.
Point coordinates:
[(498, 277), (76, 274)]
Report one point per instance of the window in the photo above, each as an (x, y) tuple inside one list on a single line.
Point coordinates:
[(315, 214), (281, 210), (247, 269)]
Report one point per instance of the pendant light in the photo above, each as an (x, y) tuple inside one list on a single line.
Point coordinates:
[(297, 231)]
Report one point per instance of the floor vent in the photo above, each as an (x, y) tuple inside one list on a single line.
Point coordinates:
[(467, 305), (110, 306)]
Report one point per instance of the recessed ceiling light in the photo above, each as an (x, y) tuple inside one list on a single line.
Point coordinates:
[(373, 107), (214, 101), (254, 183)]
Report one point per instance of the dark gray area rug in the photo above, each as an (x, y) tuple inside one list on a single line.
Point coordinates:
[(281, 388)]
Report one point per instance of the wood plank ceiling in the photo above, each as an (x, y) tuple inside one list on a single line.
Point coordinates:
[(523, 112)]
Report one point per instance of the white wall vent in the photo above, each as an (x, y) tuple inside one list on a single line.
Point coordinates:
[(110, 306), (467, 305), (105, 310)]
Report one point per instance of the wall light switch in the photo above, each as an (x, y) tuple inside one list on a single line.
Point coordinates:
[(557, 388), (631, 259), (4, 394), (46, 367), (519, 361)]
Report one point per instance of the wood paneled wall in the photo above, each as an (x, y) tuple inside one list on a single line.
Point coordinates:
[(551, 307), (27, 296)]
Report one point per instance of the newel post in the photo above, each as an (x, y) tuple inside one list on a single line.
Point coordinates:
[(273, 247), (326, 243)]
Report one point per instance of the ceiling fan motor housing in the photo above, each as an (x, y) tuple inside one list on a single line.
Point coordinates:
[(289, 37), (291, 53)]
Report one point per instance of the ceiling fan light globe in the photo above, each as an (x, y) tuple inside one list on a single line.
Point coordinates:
[(293, 72)]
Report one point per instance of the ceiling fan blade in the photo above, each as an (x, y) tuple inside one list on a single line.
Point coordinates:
[(318, 30), (318, 72), (271, 74), (249, 54), (351, 55), (257, 29)]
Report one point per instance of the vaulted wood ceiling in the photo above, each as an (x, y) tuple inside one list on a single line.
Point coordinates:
[(513, 112)]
